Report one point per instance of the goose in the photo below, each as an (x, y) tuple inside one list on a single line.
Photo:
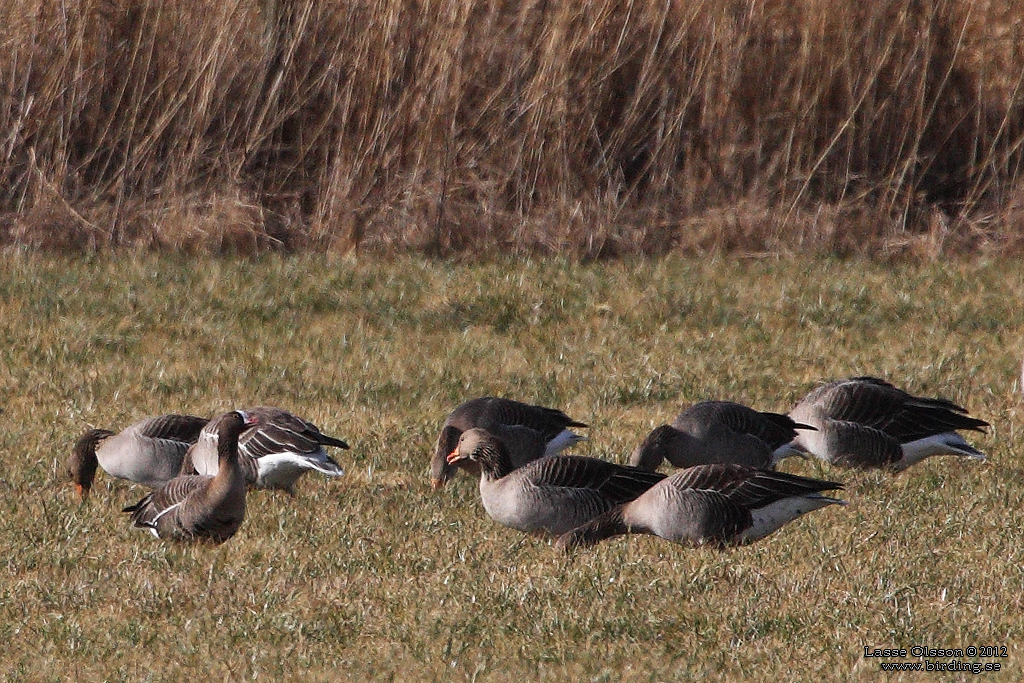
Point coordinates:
[(148, 452), (866, 422), (720, 432), (551, 423), (198, 507), (718, 504), (553, 494), (273, 453)]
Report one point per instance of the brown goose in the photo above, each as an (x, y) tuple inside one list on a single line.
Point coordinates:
[(716, 504), (196, 507), (719, 432), (866, 422), (148, 452), (273, 453), (552, 424), (553, 494)]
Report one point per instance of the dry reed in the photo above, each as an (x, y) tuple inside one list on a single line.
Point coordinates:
[(591, 128)]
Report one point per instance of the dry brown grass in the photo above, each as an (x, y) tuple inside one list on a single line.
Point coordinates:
[(594, 129)]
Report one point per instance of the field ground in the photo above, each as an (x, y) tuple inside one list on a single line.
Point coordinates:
[(375, 576)]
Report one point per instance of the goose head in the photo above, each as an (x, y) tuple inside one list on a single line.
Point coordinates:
[(481, 447), (83, 463), (229, 429), (440, 470), (655, 448)]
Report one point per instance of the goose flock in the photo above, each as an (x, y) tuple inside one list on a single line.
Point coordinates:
[(199, 469), (725, 491)]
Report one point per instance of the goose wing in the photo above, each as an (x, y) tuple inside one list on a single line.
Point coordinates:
[(876, 403), (617, 483), (184, 428), (154, 505), (278, 431), (548, 421), (749, 487)]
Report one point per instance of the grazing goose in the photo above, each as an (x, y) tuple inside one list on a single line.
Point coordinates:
[(552, 424), (718, 504), (273, 453), (719, 432), (197, 507), (866, 422), (149, 452), (553, 494)]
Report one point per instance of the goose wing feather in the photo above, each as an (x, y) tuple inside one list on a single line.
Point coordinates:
[(619, 483), (876, 403), (154, 505), (749, 487), (548, 421), (184, 428), (279, 431)]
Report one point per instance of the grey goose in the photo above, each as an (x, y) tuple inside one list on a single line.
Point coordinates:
[(148, 452), (198, 507), (273, 453), (866, 422), (719, 432), (720, 504), (552, 424), (553, 494)]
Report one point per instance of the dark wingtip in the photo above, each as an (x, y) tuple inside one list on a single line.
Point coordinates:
[(980, 425), (331, 441)]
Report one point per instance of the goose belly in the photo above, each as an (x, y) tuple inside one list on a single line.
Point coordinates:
[(771, 518), (280, 470)]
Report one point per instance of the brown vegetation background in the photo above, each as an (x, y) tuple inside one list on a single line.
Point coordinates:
[(592, 128)]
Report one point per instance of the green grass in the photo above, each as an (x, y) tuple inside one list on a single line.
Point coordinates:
[(375, 576)]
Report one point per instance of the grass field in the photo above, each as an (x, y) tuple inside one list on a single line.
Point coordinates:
[(375, 576)]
